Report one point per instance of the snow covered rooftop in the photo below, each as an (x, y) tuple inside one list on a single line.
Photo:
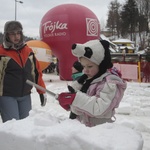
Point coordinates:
[(122, 41)]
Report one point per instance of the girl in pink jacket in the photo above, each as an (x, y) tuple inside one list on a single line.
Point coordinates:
[(98, 91)]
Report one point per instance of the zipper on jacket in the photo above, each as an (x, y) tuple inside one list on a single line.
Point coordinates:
[(23, 79)]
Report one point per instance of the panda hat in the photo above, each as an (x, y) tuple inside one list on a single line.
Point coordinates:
[(97, 51)]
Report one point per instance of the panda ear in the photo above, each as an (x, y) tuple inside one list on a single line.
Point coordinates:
[(105, 44), (74, 46), (88, 52), (106, 63)]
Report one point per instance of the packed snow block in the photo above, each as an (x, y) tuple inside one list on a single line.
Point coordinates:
[(124, 108), (38, 133)]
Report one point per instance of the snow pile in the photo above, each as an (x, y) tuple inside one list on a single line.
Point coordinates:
[(42, 131), (48, 128)]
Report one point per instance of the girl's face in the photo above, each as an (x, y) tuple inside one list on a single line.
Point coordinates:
[(89, 68)]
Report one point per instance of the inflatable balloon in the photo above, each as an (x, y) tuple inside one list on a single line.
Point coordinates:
[(65, 25), (42, 52)]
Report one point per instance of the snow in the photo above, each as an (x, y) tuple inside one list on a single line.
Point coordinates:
[(122, 41), (48, 128)]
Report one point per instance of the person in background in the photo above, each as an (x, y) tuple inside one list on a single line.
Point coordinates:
[(147, 57), (17, 64), (76, 70), (126, 50), (57, 67), (146, 66), (98, 91), (76, 74)]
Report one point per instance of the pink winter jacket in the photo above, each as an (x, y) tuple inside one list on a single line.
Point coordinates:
[(98, 105)]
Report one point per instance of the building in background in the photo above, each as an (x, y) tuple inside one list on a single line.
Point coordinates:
[(125, 45)]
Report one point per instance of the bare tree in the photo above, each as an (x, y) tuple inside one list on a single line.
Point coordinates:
[(144, 22), (144, 11)]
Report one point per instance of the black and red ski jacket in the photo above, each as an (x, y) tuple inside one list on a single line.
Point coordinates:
[(16, 66)]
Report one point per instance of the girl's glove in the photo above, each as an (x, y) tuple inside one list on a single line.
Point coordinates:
[(43, 99), (66, 99)]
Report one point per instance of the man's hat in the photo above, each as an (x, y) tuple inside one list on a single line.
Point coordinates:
[(12, 26)]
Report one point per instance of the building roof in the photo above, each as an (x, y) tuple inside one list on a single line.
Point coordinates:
[(113, 47), (122, 41)]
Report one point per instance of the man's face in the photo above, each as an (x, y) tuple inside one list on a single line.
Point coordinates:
[(15, 36)]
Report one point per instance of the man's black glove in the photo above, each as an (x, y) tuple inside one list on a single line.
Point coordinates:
[(71, 89), (43, 99)]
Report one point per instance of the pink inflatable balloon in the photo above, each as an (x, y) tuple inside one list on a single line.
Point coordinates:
[(65, 25)]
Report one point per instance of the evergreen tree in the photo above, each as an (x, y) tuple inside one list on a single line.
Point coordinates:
[(1, 38), (113, 21), (25, 37), (129, 17)]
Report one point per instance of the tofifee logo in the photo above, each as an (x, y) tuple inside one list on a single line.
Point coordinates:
[(92, 27)]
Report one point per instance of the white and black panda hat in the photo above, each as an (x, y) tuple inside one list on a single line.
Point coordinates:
[(96, 51), (92, 50)]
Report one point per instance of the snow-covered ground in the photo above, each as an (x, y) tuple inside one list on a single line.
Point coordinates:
[(48, 128)]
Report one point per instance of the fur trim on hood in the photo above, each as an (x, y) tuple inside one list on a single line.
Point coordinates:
[(12, 26)]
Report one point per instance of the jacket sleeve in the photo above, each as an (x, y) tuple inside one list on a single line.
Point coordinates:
[(94, 106), (75, 85), (38, 75)]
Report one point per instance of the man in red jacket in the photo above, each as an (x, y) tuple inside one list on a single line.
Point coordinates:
[(17, 64)]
